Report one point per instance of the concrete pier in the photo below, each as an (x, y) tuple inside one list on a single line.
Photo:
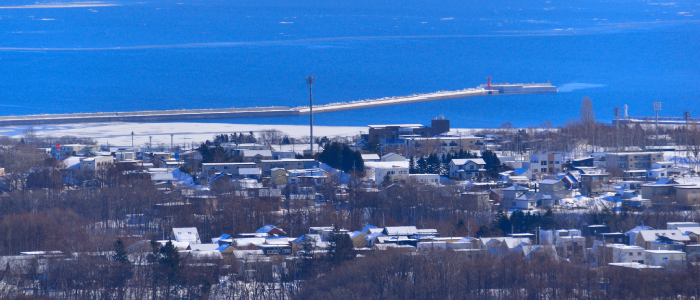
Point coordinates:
[(229, 113)]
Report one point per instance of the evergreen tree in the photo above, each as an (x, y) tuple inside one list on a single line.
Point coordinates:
[(340, 247), (167, 268), (422, 166), (342, 158), (492, 162), (517, 220), (120, 269), (502, 223), (547, 220), (433, 164), (373, 145)]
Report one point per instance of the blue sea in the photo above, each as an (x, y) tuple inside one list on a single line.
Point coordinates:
[(103, 56)]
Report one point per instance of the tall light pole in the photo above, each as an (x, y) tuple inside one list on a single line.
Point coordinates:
[(171, 142), (132, 140), (310, 81), (150, 143), (617, 126), (686, 115), (657, 108)]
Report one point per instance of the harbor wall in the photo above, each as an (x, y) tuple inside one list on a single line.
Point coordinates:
[(254, 112)]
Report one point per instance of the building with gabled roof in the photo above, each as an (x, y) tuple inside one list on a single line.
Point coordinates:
[(467, 168), (186, 234), (646, 237)]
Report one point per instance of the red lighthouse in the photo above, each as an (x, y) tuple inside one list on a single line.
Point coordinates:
[(488, 83)]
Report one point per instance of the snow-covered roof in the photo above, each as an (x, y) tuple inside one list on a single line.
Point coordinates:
[(186, 234), (387, 164), (520, 171), (72, 162), (162, 177), (249, 171), (639, 228), (240, 242), (549, 181), (460, 162), (176, 244), (250, 153), (204, 247), (400, 230), (675, 234), (689, 230), (370, 157), (368, 228)]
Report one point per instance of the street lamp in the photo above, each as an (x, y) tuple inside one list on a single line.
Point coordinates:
[(657, 108)]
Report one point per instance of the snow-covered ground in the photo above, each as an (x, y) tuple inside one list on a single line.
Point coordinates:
[(596, 203), (119, 134)]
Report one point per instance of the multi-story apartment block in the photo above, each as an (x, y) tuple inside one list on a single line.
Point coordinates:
[(550, 163), (633, 160)]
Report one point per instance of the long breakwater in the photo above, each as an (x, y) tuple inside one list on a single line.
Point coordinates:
[(229, 113)]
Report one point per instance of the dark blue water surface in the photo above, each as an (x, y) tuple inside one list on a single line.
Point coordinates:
[(161, 54)]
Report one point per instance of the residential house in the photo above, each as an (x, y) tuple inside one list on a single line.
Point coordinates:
[(210, 169), (278, 176), (371, 158), (287, 164), (283, 155), (681, 225), (256, 156), (396, 171), (582, 162), (519, 175), (626, 254), (391, 157), (187, 235), (62, 152), (477, 200), (272, 231), (96, 163), (433, 179), (688, 195), (595, 184), (663, 191), (646, 237), (466, 169), (632, 234), (663, 257), (555, 188)]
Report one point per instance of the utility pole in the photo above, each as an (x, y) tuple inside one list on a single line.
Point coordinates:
[(657, 108), (686, 115), (150, 142), (310, 81), (171, 142), (132, 140)]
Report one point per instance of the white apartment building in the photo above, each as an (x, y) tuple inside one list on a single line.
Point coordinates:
[(550, 163)]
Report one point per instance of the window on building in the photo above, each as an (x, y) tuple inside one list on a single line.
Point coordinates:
[(543, 163), (665, 259), (639, 253), (556, 162), (631, 254)]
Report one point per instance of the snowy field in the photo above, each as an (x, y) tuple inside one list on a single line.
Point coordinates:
[(119, 134)]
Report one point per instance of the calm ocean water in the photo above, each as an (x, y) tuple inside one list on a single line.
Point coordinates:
[(162, 54)]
